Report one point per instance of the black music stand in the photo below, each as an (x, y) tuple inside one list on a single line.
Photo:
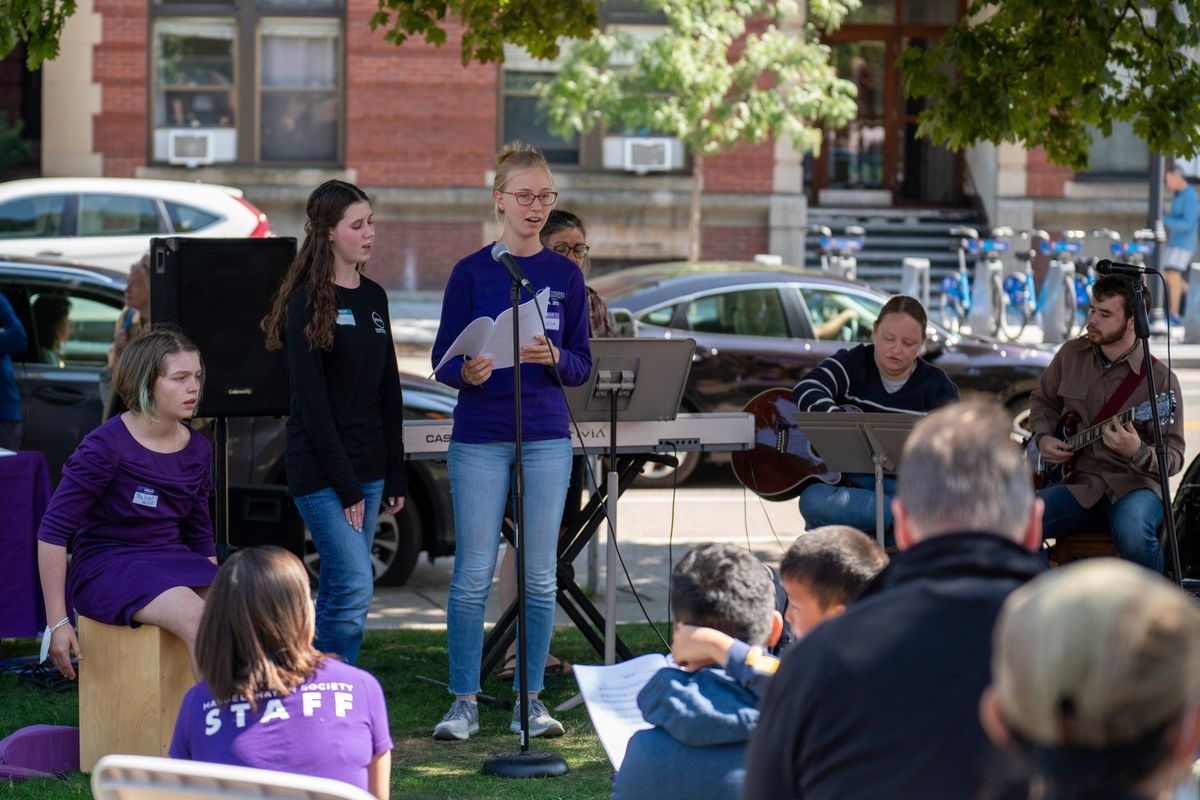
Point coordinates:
[(668, 362), (859, 443), (612, 392)]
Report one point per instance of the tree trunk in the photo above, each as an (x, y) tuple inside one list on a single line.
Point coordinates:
[(694, 219)]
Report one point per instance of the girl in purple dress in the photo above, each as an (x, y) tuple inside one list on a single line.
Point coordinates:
[(133, 507), (267, 697)]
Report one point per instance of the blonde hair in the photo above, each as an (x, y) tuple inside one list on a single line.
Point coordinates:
[(1096, 655), (143, 361), (257, 628), (514, 157)]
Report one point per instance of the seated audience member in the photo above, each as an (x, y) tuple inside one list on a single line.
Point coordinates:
[(132, 506), (702, 718), (820, 573), (1096, 683), (882, 701), (268, 699), (133, 321)]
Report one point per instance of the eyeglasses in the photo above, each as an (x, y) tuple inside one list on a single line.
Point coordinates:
[(579, 250), (526, 198)]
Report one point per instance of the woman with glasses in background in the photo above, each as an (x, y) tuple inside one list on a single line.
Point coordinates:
[(481, 452)]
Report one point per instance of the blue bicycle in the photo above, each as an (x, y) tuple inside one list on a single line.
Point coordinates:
[(956, 300), (1024, 303)]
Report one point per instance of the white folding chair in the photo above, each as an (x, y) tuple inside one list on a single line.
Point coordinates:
[(120, 777)]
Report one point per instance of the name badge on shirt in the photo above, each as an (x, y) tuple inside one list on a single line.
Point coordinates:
[(552, 321), (345, 316), (145, 496)]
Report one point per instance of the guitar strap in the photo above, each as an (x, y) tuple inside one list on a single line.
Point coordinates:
[(1122, 393)]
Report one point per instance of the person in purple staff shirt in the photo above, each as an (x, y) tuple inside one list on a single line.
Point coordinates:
[(133, 507), (268, 698)]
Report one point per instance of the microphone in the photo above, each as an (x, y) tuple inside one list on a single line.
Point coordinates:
[(500, 253), (1109, 267)]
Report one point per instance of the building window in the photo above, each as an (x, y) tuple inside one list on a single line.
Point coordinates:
[(195, 76), (248, 86), (523, 120), (1121, 154), (299, 102)]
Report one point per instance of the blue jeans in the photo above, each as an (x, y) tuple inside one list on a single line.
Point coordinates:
[(853, 505), (480, 483), (346, 577), (1134, 520)]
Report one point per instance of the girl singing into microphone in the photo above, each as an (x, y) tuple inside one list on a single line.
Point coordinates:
[(481, 453)]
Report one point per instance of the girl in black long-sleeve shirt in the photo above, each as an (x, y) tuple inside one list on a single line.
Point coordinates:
[(345, 446)]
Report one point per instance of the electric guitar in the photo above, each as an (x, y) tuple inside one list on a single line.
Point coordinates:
[(1045, 474), (782, 462)]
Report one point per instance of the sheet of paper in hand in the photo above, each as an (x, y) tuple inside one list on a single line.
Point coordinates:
[(611, 696), (485, 337)]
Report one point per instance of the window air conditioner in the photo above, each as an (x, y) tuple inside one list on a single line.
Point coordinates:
[(642, 155), (188, 147)]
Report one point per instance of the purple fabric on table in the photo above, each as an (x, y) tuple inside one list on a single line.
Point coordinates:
[(24, 490), (331, 726), (136, 522)]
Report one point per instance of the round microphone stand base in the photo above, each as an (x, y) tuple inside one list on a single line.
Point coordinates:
[(525, 764)]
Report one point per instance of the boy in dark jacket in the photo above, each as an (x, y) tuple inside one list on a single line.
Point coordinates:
[(702, 719)]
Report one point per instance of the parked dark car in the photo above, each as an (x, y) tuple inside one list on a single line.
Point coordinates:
[(61, 403), (756, 328)]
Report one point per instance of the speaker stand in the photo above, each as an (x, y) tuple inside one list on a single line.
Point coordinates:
[(221, 487)]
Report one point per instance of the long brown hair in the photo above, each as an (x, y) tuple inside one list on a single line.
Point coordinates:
[(257, 628), (313, 267)]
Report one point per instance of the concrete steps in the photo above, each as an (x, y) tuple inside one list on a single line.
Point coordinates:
[(893, 234)]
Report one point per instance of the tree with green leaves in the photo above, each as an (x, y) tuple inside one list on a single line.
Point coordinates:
[(707, 82), (489, 24), (37, 23), (1043, 74)]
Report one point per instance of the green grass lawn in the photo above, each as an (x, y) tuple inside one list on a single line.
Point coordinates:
[(421, 767)]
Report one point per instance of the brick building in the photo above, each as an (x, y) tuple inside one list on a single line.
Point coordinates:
[(282, 94)]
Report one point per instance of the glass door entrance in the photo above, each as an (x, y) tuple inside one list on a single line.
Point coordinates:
[(877, 157)]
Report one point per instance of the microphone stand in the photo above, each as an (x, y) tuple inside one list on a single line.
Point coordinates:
[(1141, 329), (523, 763)]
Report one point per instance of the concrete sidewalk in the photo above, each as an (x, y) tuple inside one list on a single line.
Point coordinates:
[(653, 532)]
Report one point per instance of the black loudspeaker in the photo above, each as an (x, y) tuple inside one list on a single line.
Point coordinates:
[(217, 291), (265, 514)]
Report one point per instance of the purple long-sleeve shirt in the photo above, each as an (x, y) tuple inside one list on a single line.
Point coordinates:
[(479, 286)]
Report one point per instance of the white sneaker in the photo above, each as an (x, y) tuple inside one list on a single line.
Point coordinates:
[(460, 722), (540, 721)]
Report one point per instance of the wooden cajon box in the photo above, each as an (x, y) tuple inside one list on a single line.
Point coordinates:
[(1091, 544), (131, 682)]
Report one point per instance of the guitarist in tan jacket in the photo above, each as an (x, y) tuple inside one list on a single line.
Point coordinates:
[(1111, 474)]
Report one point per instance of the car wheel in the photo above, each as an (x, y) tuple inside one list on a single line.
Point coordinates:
[(660, 476), (394, 552)]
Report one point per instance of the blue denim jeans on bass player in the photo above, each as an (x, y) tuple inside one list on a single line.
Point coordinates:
[(1134, 520), (480, 483), (854, 505), (347, 578)]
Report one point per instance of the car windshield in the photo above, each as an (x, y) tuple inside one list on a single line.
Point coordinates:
[(841, 316)]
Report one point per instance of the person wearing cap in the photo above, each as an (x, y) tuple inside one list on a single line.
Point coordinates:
[(883, 701), (1096, 683)]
